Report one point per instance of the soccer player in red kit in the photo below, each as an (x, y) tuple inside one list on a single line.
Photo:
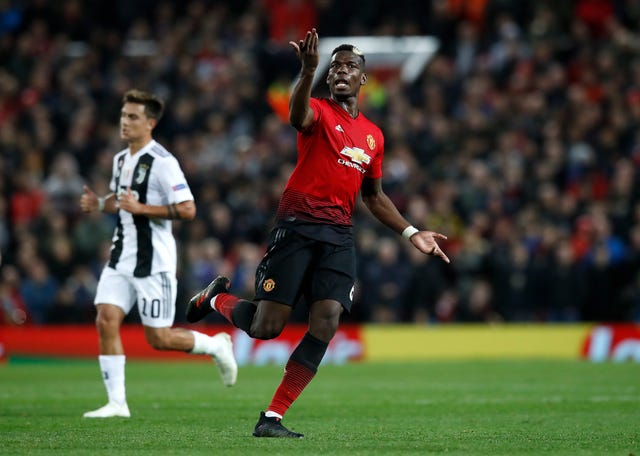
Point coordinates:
[(311, 250)]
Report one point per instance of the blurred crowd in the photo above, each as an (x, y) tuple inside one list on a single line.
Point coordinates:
[(519, 141)]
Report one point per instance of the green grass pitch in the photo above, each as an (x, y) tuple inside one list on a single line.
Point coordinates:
[(453, 407)]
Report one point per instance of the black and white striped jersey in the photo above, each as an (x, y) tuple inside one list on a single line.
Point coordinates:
[(143, 246)]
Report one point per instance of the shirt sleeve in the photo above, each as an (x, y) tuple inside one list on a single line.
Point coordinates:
[(375, 170), (174, 183), (314, 104)]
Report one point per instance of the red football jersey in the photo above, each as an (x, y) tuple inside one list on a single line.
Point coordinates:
[(335, 153)]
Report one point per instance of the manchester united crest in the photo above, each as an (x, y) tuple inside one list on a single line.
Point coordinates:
[(268, 285), (371, 142)]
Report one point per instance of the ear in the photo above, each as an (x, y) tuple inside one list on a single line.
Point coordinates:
[(152, 123), (363, 79)]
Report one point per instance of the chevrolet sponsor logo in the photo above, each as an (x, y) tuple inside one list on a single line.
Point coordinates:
[(356, 155)]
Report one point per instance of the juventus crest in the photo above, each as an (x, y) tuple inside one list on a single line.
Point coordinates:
[(141, 173)]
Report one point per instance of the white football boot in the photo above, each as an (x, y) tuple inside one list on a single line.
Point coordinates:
[(110, 410), (225, 360)]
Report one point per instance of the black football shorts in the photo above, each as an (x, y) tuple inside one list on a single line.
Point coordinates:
[(295, 266)]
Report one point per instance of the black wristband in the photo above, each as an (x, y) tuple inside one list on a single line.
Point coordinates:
[(172, 212)]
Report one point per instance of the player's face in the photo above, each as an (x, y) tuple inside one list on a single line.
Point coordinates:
[(346, 74), (134, 123)]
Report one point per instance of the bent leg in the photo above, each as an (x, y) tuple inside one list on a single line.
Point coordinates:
[(219, 347), (269, 320), (264, 320), (238, 312), (178, 339)]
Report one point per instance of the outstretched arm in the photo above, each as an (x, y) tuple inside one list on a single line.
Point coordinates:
[(300, 114), (384, 210)]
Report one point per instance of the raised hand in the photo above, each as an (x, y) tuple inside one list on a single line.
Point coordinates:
[(307, 50)]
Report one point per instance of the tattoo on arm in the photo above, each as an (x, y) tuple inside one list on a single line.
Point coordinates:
[(172, 212)]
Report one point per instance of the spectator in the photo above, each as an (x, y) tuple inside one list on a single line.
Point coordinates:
[(12, 305), (64, 184), (26, 200), (5, 230), (383, 281), (427, 285), (39, 291), (75, 299), (567, 285)]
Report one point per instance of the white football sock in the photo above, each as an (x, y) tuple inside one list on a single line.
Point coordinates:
[(204, 345), (271, 414), (112, 367)]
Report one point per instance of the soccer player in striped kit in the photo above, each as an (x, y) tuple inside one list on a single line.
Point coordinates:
[(149, 190), (311, 251)]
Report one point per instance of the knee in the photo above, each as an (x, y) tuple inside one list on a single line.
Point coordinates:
[(266, 329), (269, 320), (107, 321), (324, 321), (323, 329)]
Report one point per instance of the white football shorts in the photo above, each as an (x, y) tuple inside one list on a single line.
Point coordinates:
[(155, 295)]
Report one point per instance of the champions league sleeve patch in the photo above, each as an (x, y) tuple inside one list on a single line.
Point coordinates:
[(182, 186)]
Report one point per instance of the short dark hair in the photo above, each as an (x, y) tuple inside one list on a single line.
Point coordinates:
[(349, 48), (153, 106)]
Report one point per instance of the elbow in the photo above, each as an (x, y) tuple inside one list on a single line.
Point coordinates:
[(294, 116), (366, 200), (296, 122), (188, 211), (373, 203), (369, 203), (370, 200), (300, 119)]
